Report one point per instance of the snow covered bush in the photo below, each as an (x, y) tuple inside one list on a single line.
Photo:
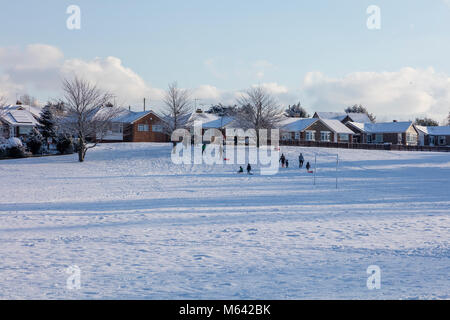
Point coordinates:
[(34, 142), (12, 148)]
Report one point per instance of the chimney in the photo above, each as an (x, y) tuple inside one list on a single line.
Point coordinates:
[(144, 104)]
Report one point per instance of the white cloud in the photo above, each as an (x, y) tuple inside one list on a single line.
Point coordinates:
[(110, 74), (403, 94), (273, 87)]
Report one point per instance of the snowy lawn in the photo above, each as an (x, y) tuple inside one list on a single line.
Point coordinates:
[(141, 227)]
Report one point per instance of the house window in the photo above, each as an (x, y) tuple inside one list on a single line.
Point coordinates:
[(143, 127), (25, 130), (285, 136), (411, 138), (379, 138), (325, 136), (343, 137), (116, 128), (297, 135), (369, 138), (310, 136), (157, 128), (442, 140)]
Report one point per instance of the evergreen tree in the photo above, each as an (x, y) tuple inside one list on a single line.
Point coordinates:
[(47, 125), (360, 109), (426, 122), (296, 111)]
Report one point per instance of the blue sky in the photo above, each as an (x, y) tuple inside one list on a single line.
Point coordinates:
[(235, 44)]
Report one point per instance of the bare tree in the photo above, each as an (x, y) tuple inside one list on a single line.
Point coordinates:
[(28, 100), (177, 108), (258, 110), (87, 113), (3, 102)]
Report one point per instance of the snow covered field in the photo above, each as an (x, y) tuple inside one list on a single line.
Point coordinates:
[(141, 227)]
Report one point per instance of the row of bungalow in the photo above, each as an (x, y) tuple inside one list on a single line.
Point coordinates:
[(147, 126)]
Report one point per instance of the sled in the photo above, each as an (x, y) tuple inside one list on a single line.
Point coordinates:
[(310, 171)]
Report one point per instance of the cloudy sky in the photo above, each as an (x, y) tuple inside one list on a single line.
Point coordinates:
[(321, 53)]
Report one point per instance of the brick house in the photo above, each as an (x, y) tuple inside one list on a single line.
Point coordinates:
[(401, 133), (315, 129), (434, 136), (132, 126)]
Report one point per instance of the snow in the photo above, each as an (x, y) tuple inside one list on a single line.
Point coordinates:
[(141, 227)]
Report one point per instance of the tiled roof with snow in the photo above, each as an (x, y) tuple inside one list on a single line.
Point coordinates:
[(130, 116), (332, 115), (296, 124), (210, 120), (383, 127), (337, 126), (359, 117), (439, 131)]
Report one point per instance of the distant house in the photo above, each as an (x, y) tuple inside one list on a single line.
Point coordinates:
[(315, 129), (434, 136), (130, 126), (403, 133), (18, 120), (343, 117)]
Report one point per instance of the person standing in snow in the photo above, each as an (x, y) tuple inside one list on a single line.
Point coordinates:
[(301, 160), (308, 166), (249, 169), (282, 160), (287, 163)]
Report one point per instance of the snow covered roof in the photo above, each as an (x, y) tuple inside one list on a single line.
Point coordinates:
[(35, 111), (359, 117), (435, 131), (130, 116), (337, 126), (331, 115), (296, 124), (210, 120), (383, 127), (18, 117)]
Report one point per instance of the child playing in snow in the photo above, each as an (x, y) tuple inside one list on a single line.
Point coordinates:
[(249, 169), (241, 170), (301, 160), (308, 166)]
